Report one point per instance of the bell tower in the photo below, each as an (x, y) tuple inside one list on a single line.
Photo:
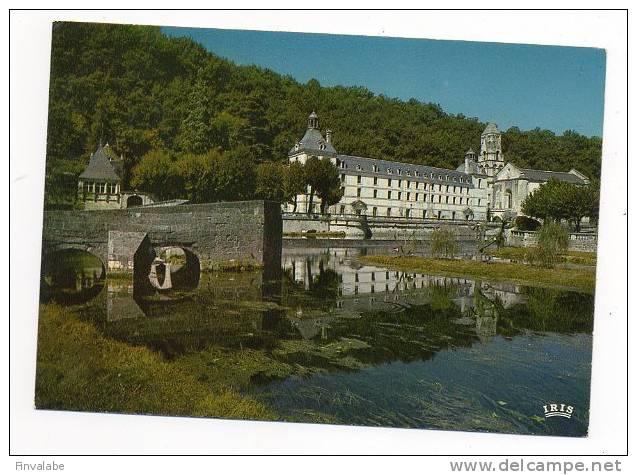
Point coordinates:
[(491, 157), (313, 121)]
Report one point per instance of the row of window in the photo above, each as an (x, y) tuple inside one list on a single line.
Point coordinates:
[(415, 173), (110, 188), (393, 277), (372, 290), (416, 197), (399, 183), (412, 213)]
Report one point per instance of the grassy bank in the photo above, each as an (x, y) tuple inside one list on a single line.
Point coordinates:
[(579, 279), (79, 369), (520, 254)]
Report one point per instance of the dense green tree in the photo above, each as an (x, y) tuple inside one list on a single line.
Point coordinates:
[(142, 91), (195, 136), (294, 183), (556, 200), (328, 187), (234, 176), (270, 182), (197, 174), (157, 173), (580, 202), (313, 177)]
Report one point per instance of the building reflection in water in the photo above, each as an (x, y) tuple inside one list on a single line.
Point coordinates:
[(363, 288), (319, 288)]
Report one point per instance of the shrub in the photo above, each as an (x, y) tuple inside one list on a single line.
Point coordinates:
[(444, 243), (524, 223), (552, 242)]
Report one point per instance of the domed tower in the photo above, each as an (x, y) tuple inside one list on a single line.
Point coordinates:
[(491, 157), (313, 143)]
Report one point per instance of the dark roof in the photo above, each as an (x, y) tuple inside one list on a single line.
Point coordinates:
[(546, 175), (491, 128), (100, 167), (474, 168), (362, 165), (313, 142)]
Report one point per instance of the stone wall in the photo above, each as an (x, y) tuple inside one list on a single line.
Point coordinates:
[(381, 227), (577, 241), (122, 246), (299, 223), (246, 231)]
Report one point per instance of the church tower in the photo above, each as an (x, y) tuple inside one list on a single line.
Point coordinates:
[(491, 157)]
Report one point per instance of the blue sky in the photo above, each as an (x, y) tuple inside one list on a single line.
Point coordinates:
[(551, 87)]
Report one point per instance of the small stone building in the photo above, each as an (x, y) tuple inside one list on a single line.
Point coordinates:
[(99, 186)]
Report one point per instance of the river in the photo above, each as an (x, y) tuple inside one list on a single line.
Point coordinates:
[(348, 343)]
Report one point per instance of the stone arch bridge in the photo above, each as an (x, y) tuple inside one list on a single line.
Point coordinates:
[(213, 233)]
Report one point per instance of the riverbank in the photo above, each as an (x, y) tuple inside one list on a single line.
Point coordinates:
[(578, 279), (520, 254), (81, 370)]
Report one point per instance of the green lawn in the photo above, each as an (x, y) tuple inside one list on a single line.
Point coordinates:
[(577, 279)]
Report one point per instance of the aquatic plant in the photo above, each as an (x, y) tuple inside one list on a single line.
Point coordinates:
[(444, 243), (79, 369), (552, 242)]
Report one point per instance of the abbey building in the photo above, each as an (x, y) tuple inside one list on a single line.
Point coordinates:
[(482, 186)]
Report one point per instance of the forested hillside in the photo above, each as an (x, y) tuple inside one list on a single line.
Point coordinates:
[(147, 94)]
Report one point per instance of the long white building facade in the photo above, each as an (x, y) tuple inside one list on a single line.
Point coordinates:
[(479, 188)]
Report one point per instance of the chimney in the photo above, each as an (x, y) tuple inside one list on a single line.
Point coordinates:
[(466, 164), (328, 136)]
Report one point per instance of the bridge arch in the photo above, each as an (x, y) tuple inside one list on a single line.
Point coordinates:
[(71, 273), (175, 267), (134, 200)]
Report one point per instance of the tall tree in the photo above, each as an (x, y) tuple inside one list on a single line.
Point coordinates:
[(157, 173), (313, 176), (328, 186), (270, 182), (294, 183), (195, 130), (234, 175), (556, 200)]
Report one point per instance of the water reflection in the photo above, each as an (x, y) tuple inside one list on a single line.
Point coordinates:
[(71, 277), (422, 350)]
